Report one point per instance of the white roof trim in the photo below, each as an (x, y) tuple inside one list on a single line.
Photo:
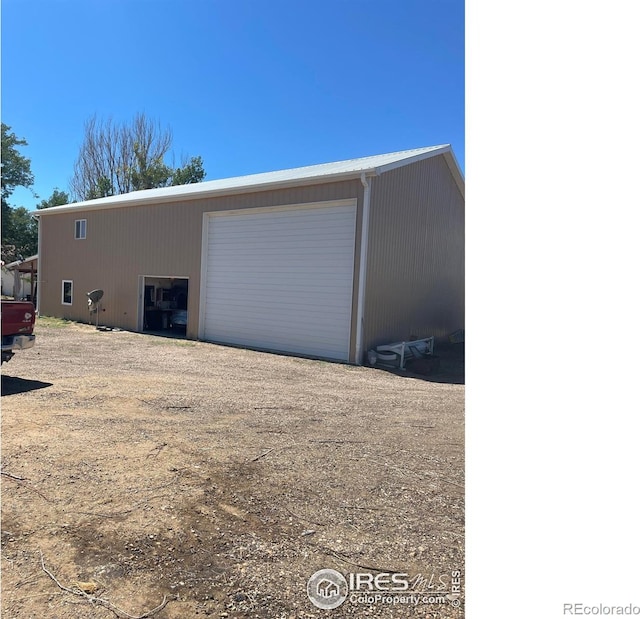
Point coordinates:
[(17, 263), (324, 172)]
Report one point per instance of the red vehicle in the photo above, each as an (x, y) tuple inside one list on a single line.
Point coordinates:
[(18, 319)]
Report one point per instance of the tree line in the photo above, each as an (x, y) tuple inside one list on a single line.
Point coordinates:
[(114, 158)]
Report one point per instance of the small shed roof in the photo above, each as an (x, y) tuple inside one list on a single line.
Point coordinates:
[(24, 266), (339, 170)]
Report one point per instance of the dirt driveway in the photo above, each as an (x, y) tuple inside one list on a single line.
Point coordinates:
[(213, 481)]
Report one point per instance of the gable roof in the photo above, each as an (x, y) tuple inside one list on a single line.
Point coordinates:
[(324, 172)]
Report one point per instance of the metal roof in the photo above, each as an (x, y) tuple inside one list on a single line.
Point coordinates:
[(338, 170)]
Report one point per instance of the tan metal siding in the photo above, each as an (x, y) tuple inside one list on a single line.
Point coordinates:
[(415, 265), (166, 239)]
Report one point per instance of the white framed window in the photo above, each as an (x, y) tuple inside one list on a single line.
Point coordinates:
[(81, 228), (67, 292)]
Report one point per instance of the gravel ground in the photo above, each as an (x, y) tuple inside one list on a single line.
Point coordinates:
[(218, 480)]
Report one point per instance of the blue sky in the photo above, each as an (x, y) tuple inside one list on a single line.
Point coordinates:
[(251, 86)]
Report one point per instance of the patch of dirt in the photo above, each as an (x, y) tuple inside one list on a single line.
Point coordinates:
[(221, 479)]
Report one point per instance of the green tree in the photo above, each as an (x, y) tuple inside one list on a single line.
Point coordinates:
[(24, 233), (19, 231), (16, 168), (58, 198), (102, 189), (190, 172)]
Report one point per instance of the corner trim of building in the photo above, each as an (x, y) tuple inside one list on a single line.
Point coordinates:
[(203, 273), (362, 275)]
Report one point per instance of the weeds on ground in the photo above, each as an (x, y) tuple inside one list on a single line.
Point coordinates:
[(51, 321)]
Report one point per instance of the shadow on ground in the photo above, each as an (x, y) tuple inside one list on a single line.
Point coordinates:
[(447, 367), (13, 384)]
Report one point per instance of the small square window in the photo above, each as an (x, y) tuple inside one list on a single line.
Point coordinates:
[(81, 228), (67, 292)]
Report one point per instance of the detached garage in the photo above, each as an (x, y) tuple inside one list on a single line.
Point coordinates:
[(324, 261)]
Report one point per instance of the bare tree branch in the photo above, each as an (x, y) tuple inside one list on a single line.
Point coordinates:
[(119, 158)]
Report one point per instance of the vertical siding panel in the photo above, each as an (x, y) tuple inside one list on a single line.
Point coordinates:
[(164, 239), (415, 269)]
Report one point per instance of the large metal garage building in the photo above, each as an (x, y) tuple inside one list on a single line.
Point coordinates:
[(324, 261)]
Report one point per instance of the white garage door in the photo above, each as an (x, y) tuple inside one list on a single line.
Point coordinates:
[(281, 279)]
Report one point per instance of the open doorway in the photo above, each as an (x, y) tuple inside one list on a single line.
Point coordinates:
[(164, 305)]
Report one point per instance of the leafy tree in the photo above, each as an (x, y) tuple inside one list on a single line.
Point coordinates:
[(190, 172), (119, 158), (102, 189), (24, 234), (7, 225), (19, 231), (16, 169), (58, 198)]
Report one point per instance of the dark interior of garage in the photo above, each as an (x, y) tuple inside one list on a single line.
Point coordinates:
[(166, 306)]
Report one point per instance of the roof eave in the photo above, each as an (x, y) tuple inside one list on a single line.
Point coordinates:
[(182, 195), (16, 263), (444, 150), (456, 172), (207, 193), (434, 152)]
